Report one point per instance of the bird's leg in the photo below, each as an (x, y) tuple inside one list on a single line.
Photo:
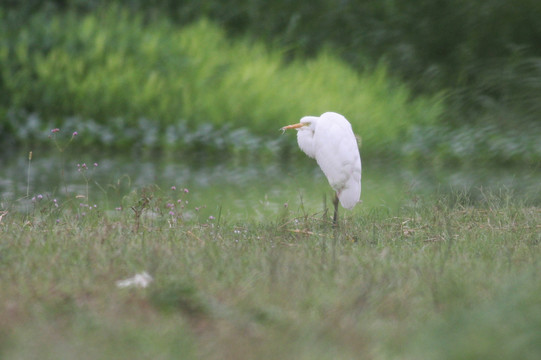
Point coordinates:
[(335, 218)]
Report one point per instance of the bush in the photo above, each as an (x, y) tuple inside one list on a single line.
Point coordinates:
[(116, 70)]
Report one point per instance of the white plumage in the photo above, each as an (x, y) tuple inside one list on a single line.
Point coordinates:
[(330, 140)]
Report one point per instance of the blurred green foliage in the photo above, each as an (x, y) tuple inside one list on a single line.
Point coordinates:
[(160, 80), (484, 56), (486, 52)]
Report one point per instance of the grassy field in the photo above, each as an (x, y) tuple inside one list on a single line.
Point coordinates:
[(243, 266), (437, 278)]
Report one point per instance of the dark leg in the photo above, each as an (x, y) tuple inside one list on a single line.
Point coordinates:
[(335, 218)]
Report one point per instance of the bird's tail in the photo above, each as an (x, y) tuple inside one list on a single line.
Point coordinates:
[(350, 195)]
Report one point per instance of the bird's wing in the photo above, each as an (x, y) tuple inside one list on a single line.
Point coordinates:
[(338, 157)]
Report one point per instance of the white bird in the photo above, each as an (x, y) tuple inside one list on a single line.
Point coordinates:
[(330, 140)]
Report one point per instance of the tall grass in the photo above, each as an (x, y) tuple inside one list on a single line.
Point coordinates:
[(258, 274), (118, 73), (386, 284)]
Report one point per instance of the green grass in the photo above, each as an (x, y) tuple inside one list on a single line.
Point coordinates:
[(434, 278)]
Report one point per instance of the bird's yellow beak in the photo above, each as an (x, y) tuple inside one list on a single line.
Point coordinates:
[(294, 126)]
